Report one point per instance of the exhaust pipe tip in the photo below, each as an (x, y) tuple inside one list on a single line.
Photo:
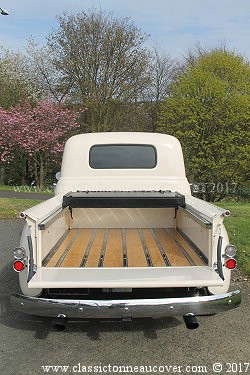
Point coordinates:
[(60, 322), (127, 323), (190, 321)]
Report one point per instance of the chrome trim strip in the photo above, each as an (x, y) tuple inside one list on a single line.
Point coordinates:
[(186, 255), (124, 248), (199, 305), (66, 251), (54, 249), (219, 258), (32, 266), (88, 248), (145, 248), (104, 245), (163, 254)]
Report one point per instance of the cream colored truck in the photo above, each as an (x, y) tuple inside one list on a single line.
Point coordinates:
[(123, 237)]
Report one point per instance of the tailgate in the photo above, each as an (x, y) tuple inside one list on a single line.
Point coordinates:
[(136, 277)]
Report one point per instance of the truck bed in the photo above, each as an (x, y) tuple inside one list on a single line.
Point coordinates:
[(158, 247)]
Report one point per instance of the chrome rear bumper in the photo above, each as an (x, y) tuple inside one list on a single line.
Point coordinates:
[(135, 308)]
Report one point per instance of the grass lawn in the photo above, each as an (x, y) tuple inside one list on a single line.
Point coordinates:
[(7, 187), (11, 207), (26, 189), (238, 224), (238, 227)]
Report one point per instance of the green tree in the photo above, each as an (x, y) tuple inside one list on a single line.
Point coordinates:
[(208, 110), (101, 62), (16, 81), (17, 84), (162, 69)]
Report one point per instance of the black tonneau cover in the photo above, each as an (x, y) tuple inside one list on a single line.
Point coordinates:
[(123, 199)]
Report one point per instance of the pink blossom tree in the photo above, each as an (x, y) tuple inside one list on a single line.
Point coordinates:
[(38, 133)]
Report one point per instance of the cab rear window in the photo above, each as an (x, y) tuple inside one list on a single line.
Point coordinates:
[(122, 156)]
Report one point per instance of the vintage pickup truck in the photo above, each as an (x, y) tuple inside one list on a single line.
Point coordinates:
[(123, 237)]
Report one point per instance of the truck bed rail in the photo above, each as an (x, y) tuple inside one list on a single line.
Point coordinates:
[(124, 199)]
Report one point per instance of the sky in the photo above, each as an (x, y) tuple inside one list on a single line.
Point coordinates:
[(174, 25)]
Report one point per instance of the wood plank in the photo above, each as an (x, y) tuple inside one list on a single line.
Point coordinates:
[(95, 251), (153, 249), (78, 249), (174, 254), (195, 257), (135, 252), (114, 251), (53, 261)]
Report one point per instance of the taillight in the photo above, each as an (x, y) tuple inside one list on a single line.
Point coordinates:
[(19, 253), (18, 265), (231, 263), (230, 251)]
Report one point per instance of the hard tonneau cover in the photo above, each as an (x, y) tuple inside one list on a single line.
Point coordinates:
[(123, 199)]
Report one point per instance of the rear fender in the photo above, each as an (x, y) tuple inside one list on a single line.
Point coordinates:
[(226, 272), (23, 276)]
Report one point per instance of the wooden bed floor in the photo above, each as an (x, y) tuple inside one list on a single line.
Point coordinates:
[(159, 247)]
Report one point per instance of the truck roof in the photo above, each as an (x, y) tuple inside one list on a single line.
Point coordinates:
[(124, 137)]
